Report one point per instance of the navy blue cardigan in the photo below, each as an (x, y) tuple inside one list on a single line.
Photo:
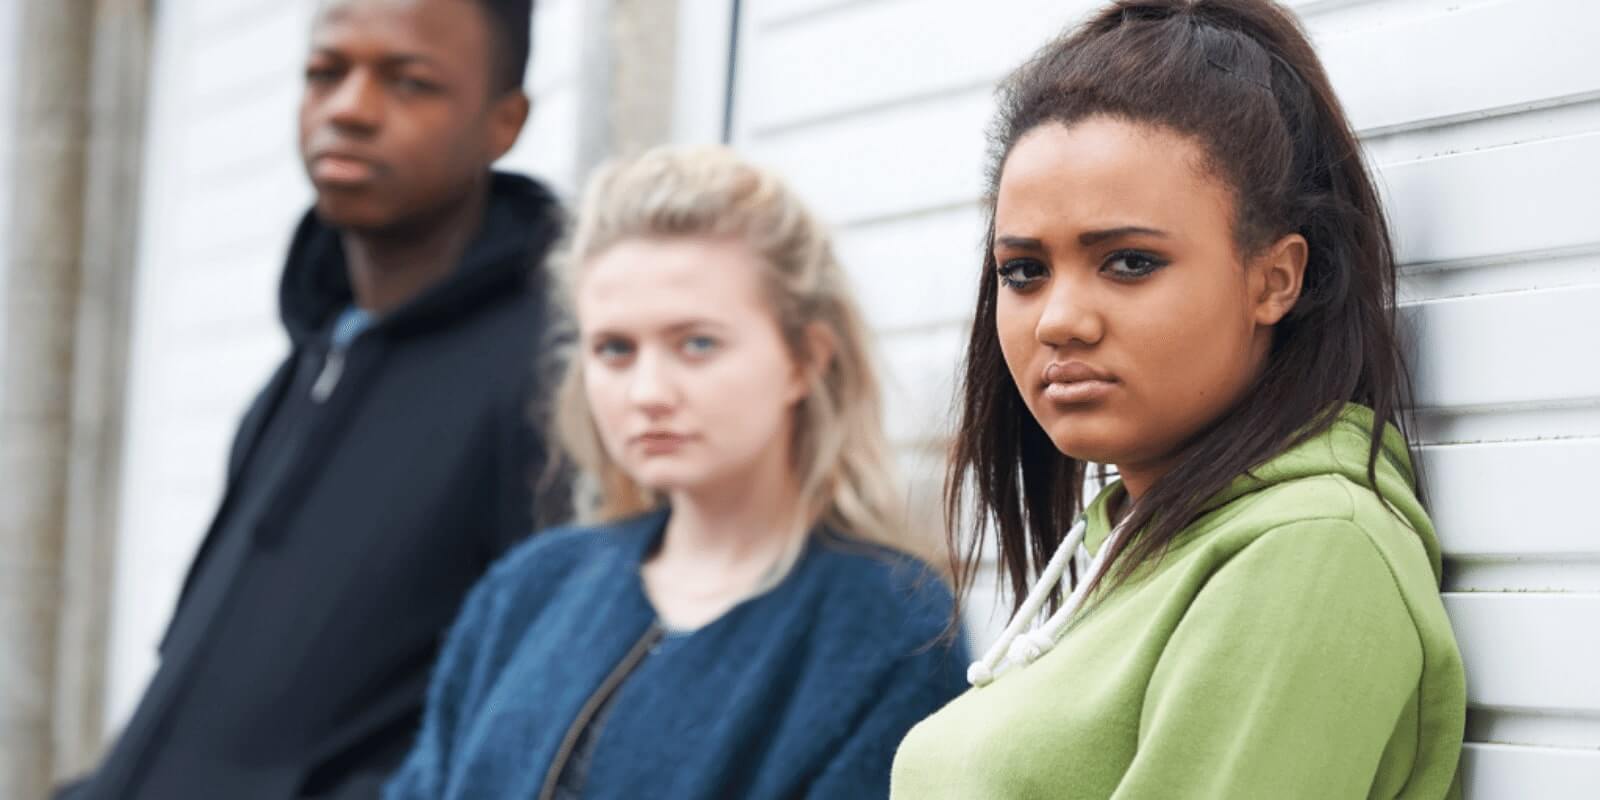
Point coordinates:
[(804, 691)]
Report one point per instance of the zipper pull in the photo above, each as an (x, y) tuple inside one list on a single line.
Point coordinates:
[(328, 378)]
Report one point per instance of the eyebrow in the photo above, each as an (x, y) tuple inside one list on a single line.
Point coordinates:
[(1085, 239), (1091, 238), (672, 329), (388, 61)]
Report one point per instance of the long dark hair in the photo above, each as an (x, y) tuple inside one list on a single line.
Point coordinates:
[(1240, 78)]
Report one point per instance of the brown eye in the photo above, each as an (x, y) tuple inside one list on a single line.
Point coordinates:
[(321, 74), (1021, 273), (1132, 264)]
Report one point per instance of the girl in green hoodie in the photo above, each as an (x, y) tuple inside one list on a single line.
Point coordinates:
[(1189, 278)]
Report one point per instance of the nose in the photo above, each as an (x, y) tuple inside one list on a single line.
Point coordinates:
[(650, 386), (1071, 313), (356, 104)]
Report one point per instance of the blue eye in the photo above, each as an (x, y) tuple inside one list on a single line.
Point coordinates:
[(1132, 264), (612, 349), (699, 345), (1021, 274)]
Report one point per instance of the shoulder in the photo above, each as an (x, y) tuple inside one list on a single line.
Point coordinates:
[(882, 592), (1326, 507), (1324, 546), (557, 555)]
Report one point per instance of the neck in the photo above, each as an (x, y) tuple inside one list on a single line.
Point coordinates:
[(735, 528), (389, 268)]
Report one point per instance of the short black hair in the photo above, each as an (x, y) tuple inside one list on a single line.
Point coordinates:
[(510, 30)]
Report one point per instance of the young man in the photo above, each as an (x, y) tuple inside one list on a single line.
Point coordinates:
[(389, 460)]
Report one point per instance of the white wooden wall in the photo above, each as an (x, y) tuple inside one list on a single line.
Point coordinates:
[(224, 187), (1484, 119), (10, 14)]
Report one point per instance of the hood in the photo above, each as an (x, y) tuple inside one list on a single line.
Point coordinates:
[(1340, 450), (521, 222)]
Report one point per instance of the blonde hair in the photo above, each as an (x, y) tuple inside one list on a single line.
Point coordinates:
[(840, 452)]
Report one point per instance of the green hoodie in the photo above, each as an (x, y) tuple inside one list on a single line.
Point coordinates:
[(1291, 644)]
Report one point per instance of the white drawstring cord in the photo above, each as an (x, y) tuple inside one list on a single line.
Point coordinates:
[(1014, 648)]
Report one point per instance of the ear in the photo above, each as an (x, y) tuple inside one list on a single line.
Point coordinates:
[(506, 118), (1278, 275), (821, 345)]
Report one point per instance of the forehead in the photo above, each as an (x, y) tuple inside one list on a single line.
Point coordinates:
[(646, 284), (451, 32), (1106, 172)]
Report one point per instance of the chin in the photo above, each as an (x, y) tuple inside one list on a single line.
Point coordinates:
[(658, 475), (1101, 441), (358, 213)]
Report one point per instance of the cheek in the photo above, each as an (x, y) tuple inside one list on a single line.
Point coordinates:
[(1015, 322), (744, 402), (605, 393), (1195, 345)]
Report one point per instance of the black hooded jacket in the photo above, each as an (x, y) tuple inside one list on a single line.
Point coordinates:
[(357, 514)]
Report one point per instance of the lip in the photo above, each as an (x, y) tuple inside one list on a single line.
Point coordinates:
[(1075, 382), (1075, 371), (658, 442), (342, 169)]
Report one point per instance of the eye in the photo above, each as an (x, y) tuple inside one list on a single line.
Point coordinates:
[(408, 85), (699, 346), (1132, 264), (613, 351), (1022, 273), (321, 74)]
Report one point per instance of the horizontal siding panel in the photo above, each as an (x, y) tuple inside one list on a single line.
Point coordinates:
[(1524, 423), (1508, 772), (1508, 349), (776, 12), (1496, 202), (266, 50), (919, 370), (1417, 67), (1472, 59), (260, 137), (875, 57), (1530, 651), (912, 271), (213, 16), (911, 159), (218, 213), (1516, 499)]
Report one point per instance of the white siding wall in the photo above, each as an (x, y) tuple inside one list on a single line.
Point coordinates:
[(224, 188), (10, 14), (1483, 117)]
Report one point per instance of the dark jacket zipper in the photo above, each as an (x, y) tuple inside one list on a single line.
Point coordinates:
[(328, 378), (591, 706)]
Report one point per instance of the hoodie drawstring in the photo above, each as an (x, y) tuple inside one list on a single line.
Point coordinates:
[(1016, 649)]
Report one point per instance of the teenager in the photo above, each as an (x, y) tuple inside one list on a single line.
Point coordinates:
[(742, 620), (389, 460), (1189, 279)]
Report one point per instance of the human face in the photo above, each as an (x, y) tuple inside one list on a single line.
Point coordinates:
[(1127, 317), (688, 378), (398, 121)]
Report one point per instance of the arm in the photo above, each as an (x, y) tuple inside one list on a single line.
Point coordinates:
[(463, 672), (1285, 677)]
